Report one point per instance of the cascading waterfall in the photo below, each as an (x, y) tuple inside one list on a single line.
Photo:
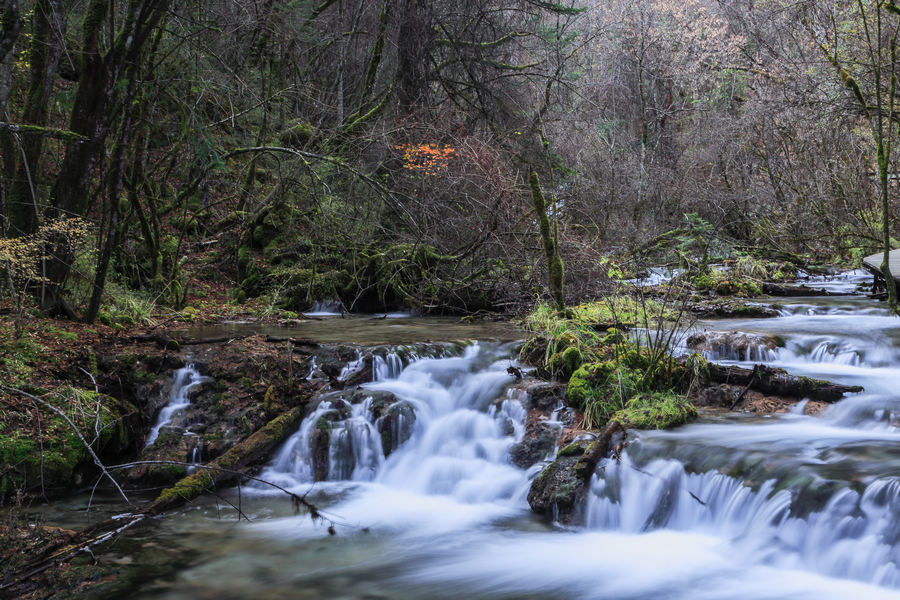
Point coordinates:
[(731, 507), (854, 536), (438, 426), (185, 380)]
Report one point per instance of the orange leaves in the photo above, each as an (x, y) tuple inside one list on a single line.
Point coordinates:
[(428, 159)]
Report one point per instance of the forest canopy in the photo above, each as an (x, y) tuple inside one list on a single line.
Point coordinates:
[(381, 153)]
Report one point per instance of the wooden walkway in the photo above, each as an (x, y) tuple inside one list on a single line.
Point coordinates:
[(873, 264)]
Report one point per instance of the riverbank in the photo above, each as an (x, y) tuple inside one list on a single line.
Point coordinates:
[(250, 380)]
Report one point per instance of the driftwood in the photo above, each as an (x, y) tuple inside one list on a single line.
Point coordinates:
[(778, 382), (169, 343), (293, 340), (787, 291)]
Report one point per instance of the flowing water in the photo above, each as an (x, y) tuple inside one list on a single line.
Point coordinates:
[(186, 379), (424, 503)]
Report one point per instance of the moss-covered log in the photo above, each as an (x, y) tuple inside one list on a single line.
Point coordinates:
[(228, 467), (779, 382)]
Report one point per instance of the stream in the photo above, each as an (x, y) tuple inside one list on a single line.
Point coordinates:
[(733, 506)]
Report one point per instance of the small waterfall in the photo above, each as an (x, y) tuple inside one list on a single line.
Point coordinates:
[(326, 308), (196, 457), (352, 367), (185, 380), (855, 535), (438, 426), (388, 367)]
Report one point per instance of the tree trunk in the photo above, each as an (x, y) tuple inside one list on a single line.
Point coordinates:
[(9, 34), (100, 72), (46, 48), (551, 251)]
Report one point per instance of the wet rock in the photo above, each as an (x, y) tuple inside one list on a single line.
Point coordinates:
[(320, 441), (545, 396), (538, 442), (559, 491), (395, 426), (726, 308), (734, 345)]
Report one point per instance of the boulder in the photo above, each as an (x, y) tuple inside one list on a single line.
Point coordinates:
[(538, 442)]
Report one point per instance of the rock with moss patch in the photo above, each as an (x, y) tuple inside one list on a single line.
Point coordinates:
[(656, 411), (557, 492), (539, 441)]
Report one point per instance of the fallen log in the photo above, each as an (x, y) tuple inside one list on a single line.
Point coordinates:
[(778, 382), (293, 340), (160, 339), (802, 290), (228, 468), (215, 340)]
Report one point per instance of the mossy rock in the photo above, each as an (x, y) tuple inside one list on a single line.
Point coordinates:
[(563, 364), (590, 383), (656, 411), (58, 459), (297, 132)]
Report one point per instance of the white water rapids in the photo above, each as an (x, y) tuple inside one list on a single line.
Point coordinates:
[(732, 507)]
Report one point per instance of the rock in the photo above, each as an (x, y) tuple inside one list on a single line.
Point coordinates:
[(545, 396), (396, 426), (559, 491), (724, 308), (538, 442), (775, 289), (734, 345), (320, 443)]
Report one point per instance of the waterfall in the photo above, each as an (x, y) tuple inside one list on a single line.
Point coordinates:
[(438, 426), (185, 380)]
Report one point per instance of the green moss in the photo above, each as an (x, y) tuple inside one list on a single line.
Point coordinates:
[(590, 383), (655, 411), (573, 449), (55, 459), (296, 133), (564, 363), (187, 488)]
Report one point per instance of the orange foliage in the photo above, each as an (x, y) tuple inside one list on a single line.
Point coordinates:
[(429, 159)]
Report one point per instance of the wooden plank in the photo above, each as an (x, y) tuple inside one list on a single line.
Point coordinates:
[(873, 263)]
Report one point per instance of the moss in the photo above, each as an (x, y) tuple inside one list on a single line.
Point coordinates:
[(296, 133), (187, 488), (564, 363), (655, 411), (590, 383), (142, 376), (56, 459), (573, 449)]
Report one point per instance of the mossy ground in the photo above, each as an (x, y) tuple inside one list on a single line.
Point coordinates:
[(610, 375)]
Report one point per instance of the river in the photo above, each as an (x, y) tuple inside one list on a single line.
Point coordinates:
[(731, 507)]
